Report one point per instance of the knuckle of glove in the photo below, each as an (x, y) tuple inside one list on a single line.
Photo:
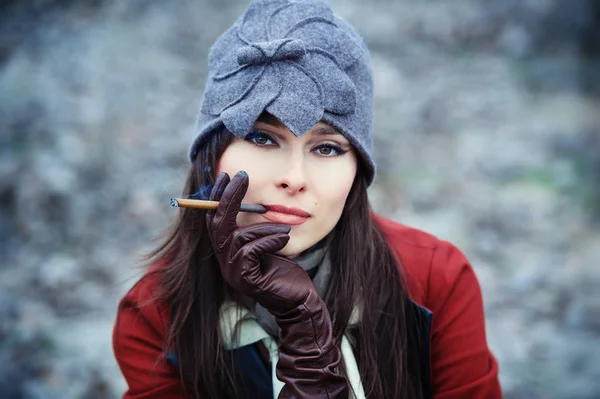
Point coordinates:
[(248, 234)]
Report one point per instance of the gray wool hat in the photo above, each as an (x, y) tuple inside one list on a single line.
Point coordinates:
[(296, 60)]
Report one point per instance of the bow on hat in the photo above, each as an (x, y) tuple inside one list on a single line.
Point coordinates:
[(288, 58)]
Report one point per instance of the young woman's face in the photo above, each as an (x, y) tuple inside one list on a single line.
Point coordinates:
[(312, 174)]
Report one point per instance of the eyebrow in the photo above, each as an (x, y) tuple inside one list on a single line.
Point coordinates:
[(271, 120), (325, 131), (320, 131)]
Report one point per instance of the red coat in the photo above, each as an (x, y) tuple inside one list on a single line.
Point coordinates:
[(439, 278)]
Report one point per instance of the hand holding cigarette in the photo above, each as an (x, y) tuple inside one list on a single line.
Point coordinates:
[(212, 205)]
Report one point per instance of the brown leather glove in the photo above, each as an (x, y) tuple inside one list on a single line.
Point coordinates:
[(308, 356)]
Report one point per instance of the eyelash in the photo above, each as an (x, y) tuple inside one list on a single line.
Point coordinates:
[(250, 137)]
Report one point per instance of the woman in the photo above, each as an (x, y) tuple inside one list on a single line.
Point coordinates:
[(318, 297)]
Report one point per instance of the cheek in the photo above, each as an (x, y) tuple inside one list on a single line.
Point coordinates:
[(233, 159), (335, 189), (328, 204), (239, 156), (332, 205), (333, 196)]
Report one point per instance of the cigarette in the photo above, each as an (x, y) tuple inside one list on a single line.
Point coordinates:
[(202, 204)]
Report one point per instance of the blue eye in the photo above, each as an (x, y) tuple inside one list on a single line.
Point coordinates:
[(260, 139)]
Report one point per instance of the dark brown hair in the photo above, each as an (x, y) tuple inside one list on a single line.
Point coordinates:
[(364, 272)]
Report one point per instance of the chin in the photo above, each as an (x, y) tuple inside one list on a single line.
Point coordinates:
[(288, 252), (293, 248)]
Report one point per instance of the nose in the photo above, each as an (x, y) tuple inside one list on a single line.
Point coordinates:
[(292, 177)]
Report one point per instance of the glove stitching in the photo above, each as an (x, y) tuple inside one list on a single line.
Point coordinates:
[(229, 204)]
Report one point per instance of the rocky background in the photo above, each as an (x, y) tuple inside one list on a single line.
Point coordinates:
[(488, 135)]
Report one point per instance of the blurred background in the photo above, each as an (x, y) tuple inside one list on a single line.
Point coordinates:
[(487, 135)]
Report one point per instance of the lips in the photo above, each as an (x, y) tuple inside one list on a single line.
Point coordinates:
[(288, 211), (282, 214)]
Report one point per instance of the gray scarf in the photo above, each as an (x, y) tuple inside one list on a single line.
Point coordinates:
[(317, 256)]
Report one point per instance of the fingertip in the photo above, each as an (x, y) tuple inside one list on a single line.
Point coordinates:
[(285, 238), (242, 175), (277, 243), (223, 179), (220, 183), (239, 186)]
